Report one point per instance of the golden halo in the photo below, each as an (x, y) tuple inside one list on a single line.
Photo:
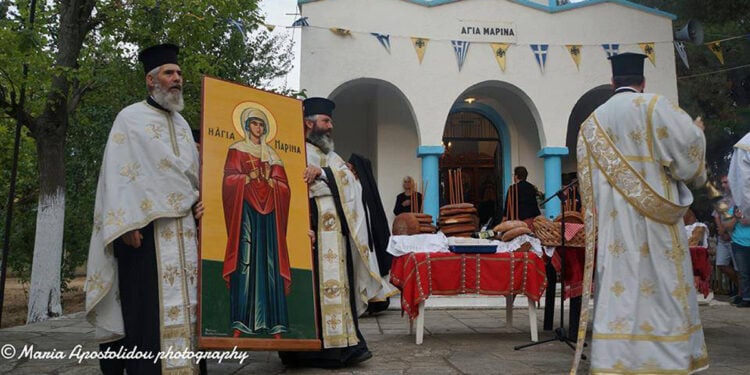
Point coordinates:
[(253, 105)]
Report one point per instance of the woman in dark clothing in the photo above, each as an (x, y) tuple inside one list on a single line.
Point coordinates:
[(403, 200)]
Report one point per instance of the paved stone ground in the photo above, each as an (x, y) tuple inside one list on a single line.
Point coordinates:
[(456, 342)]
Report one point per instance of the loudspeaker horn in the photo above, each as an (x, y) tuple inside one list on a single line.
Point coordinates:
[(691, 32)]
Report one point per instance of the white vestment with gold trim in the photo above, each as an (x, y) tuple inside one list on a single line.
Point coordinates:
[(635, 154), (336, 315), (150, 173)]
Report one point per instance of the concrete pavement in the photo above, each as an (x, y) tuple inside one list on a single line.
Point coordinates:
[(456, 341)]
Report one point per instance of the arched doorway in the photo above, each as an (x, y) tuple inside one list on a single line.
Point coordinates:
[(583, 108), (491, 127), (472, 144), (374, 119)]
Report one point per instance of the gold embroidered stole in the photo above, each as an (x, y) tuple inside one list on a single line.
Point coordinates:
[(177, 258), (336, 314), (624, 178), (596, 150)]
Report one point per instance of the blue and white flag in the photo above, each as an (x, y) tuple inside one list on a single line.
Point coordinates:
[(611, 49), (461, 47), (238, 25), (384, 39), (300, 22), (540, 53), (680, 47)]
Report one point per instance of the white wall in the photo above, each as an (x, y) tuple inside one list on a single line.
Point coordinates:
[(329, 60), (373, 119), (397, 150)]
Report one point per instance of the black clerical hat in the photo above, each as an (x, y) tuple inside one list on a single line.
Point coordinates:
[(158, 55), (318, 106), (627, 64)]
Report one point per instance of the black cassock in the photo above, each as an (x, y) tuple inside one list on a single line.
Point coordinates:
[(331, 357)]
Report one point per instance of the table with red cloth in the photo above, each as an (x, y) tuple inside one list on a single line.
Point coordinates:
[(575, 259), (701, 269), (420, 275)]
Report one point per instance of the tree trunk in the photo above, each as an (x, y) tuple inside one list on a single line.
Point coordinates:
[(44, 294), (49, 131)]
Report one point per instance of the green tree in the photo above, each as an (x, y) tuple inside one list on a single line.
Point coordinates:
[(81, 58), (719, 93)]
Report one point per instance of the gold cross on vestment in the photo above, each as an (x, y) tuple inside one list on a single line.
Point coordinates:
[(638, 101)]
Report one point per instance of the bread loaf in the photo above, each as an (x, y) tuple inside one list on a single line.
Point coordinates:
[(457, 219), (508, 225), (458, 211), (458, 228), (405, 224), (456, 205), (515, 232)]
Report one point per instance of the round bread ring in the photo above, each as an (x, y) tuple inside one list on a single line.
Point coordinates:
[(458, 211), (508, 225), (427, 229), (515, 232), (456, 205), (405, 224), (457, 219), (424, 220), (458, 228)]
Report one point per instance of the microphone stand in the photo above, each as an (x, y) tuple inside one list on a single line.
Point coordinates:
[(560, 334)]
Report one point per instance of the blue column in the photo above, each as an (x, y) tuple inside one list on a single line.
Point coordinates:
[(431, 175), (552, 177)]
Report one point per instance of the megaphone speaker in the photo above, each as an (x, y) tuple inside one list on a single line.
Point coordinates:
[(691, 32)]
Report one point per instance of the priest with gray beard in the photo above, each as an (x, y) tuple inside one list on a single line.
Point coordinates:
[(346, 272), (142, 271)]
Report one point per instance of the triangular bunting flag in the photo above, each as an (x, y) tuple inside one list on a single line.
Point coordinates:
[(540, 53), (269, 27), (385, 40), (300, 22), (680, 47), (648, 50), (420, 45), (611, 49), (715, 47), (341, 32), (238, 25), (500, 49), (575, 53), (461, 47)]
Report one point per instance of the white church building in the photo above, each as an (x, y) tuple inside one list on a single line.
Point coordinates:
[(423, 86)]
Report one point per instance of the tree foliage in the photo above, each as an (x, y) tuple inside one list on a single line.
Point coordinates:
[(719, 93), (224, 39)]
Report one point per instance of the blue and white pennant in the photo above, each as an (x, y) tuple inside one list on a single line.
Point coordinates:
[(238, 25), (611, 49), (300, 22), (461, 47), (540, 53), (384, 39)]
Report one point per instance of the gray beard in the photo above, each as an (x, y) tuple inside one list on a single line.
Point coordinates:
[(169, 100), (322, 140)]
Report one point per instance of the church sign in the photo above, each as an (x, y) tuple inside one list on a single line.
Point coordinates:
[(490, 32)]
